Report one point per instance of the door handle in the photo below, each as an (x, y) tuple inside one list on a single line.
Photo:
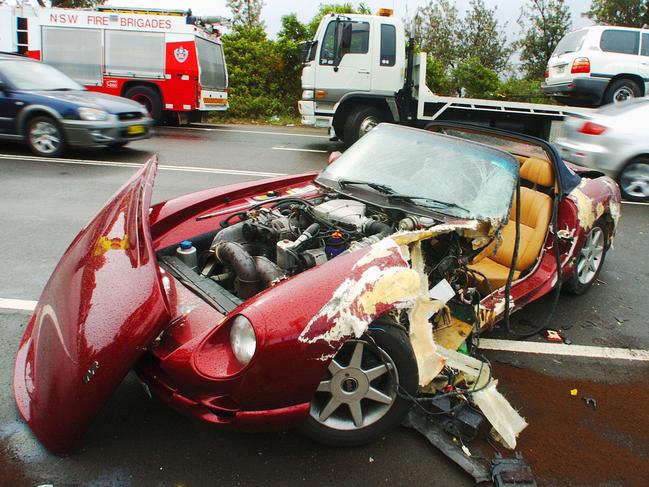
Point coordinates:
[(364, 71), (644, 63)]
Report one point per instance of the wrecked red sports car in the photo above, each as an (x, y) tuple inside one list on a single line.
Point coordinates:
[(330, 301)]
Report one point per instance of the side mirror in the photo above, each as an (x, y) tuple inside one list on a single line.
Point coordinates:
[(304, 47), (333, 156)]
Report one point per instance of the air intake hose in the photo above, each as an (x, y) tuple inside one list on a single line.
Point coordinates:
[(232, 254)]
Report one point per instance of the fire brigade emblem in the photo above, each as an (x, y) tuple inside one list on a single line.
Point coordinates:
[(181, 54)]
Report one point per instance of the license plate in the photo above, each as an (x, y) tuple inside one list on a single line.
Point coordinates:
[(561, 69), (136, 129)]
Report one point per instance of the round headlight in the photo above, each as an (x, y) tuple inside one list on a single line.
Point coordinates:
[(242, 339)]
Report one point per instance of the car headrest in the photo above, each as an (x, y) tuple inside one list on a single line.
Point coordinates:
[(538, 171)]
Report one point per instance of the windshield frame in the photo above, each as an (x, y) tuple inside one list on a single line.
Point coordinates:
[(487, 160), (24, 65)]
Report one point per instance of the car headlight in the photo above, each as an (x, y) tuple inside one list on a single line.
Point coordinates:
[(307, 95), (242, 339), (92, 114)]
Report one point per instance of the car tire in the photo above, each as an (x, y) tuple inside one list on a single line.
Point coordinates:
[(360, 122), (634, 179), (45, 136), (149, 98), (621, 90), (387, 365), (590, 260)]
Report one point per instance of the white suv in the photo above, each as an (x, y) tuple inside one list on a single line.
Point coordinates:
[(598, 65)]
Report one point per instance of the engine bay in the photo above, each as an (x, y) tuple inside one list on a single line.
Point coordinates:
[(273, 240)]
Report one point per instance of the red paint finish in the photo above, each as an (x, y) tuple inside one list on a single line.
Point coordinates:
[(102, 305)]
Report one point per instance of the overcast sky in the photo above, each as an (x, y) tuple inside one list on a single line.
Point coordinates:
[(507, 11)]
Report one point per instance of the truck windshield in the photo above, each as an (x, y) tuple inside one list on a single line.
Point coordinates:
[(33, 76), (212, 64), (570, 43), (460, 178)]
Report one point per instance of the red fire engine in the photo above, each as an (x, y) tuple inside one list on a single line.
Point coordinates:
[(170, 61)]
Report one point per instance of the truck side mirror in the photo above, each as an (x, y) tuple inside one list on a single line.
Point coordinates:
[(343, 40), (304, 48)]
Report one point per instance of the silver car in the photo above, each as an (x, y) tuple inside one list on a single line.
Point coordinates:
[(615, 140)]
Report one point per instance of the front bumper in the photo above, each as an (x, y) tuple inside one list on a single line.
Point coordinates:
[(81, 133), (219, 410), (307, 109), (590, 88)]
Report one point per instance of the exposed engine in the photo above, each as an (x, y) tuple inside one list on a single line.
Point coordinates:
[(277, 240)]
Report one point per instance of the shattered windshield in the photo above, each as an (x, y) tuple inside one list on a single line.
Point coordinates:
[(451, 176)]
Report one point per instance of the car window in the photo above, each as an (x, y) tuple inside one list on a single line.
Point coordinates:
[(570, 43), (644, 50), (620, 41), (327, 52), (388, 44), (33, 76), (360, 39)]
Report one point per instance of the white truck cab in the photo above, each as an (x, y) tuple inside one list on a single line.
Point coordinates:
[(360, 71)]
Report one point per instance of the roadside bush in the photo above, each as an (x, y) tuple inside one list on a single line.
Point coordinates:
[(436, 78), (477, 80), (523, 89)]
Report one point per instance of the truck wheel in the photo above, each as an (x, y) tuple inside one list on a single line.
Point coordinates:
[(357, 400), (621, 90), (45, 137), (147, 96), (360, 122)]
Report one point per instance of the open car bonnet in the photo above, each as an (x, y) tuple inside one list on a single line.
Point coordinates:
[(102, 305)]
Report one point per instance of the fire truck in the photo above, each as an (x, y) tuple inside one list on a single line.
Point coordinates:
[(168, 60)]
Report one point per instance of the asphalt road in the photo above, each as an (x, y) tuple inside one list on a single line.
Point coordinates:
[(137, 441)]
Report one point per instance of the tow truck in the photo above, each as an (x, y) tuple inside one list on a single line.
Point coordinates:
[(361, 70)]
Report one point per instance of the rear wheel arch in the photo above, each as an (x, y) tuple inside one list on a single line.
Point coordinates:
[(618, 80)]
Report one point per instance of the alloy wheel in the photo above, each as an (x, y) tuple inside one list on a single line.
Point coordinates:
[(359, 393), (45, 137), (635, 180), (590, 258)]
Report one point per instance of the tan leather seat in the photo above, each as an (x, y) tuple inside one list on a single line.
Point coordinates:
[(535, 214)]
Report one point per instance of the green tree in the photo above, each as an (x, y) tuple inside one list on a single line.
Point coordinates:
[(335, 8), (482, 37), (543, 23), (292, 33), (436, 31), (436, 77), (628, 13), (246, 13), (254, 69), (474, 80), (441, 32)]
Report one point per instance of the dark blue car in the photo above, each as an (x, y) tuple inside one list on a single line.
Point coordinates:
[(51, 112)]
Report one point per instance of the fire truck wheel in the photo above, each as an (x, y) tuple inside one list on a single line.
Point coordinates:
[(44, 136), (147, 96)]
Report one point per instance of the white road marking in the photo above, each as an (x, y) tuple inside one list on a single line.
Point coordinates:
[(635, 203), (17, 305), (162, 167), (263, 132), (564, 350), (300, 150)]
